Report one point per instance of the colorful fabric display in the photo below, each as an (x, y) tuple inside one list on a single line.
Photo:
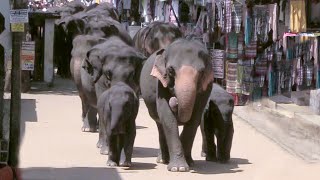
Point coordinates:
[(218, 57), (251, 50), (228, 17), (240, 46), (248, 29), (299, 80), (232, 45), (231, 77), (261, 65), (236, 16)]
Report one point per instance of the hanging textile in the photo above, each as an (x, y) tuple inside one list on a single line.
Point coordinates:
[(248, 28), (174, 9), (220, 15), (273, 11), (240, 46), (299, 80), (231, 77), (232, 45), (126, 4), (236, 16), (298, 16), (251, 50), (218, 57), (228, 17), (261, 65)]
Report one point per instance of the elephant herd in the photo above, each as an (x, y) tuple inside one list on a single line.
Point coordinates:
[(172, 74)]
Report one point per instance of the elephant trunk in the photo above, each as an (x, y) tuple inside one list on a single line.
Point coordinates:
[(117, 127), (185, 89)]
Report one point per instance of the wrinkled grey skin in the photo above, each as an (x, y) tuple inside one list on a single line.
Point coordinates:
[(118, 109), (78, 22), (176, 94), (217, 122), (97, 31), (157, 35), (106, 64), (82, 44)]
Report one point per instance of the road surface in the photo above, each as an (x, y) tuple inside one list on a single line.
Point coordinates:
[(54, 148)]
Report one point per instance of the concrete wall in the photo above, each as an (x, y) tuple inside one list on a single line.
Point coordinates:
[(5, 37)]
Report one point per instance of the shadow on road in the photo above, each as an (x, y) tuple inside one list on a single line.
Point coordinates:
[(142, 166), (205, 167), (144, 152), (60, 87), (74, 173)]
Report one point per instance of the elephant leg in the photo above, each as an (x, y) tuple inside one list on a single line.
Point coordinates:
[(187, 137), (225, 142), (90, 122), (102, 143), (113, 157), (208, 143), (128, 145), (204, 139), (163, 156), (190, 129), (177, 159)]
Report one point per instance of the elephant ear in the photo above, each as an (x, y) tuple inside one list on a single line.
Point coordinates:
[(208, 73), (159, 68), (94, 71)]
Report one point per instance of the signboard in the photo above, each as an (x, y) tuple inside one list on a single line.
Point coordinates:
[(19, 16), (17, 27), (27, 55)]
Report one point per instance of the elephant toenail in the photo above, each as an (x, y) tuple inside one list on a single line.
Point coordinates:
[(174, 169)]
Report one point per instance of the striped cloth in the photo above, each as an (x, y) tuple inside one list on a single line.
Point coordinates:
[(236, 16), (251, 50), (231, 77), (228, 17), (232, 45)]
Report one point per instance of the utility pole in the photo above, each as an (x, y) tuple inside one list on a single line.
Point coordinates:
[(15, 106)]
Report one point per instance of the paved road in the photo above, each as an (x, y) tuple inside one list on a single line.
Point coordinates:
[(54, 148)]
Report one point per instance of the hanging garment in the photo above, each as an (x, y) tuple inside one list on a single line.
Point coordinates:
[(240, 46), (231, 77), (251, 50), (248, 29), (236, 16), (232, 45), (218, 58), (228, 17), (174, 9), (126, 4), (299, 80), (273, 11), (298, 16)]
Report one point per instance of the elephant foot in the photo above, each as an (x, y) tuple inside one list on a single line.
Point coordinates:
[(203, 154), (162, 160), (211, 158), (223, 159), (99, 143), (178, 165), (126, 164), (87, 128), (190, 161), (111, 163), (104, 150)]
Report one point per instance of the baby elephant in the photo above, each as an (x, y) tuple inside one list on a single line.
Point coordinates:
[(118, 109), (217, 121)]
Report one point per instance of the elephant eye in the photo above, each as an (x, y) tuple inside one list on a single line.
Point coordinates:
[(108, 75), (171, 72)]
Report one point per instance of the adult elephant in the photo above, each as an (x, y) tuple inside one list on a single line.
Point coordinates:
[(157, 35), (81, 45), (106, 64), (175, 85)]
